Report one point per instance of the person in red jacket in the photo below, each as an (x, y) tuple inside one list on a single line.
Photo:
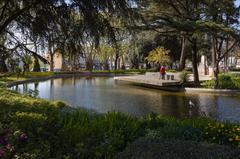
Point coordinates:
[(162, 72)]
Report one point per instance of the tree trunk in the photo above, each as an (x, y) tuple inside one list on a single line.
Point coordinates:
[(226, 57), (26, 68), (36, 67), (119, 63), (216, 72), (116, 60), (135, 63), (215, 65), (51, 56), (3, 66), (123, 67), (106, 65), (194, 62), (89, 64), (51, 62), (183, 55)]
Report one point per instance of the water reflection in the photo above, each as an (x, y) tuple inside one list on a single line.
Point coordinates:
[(104, 94)]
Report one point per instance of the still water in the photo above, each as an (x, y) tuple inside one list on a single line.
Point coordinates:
[(103, 94)]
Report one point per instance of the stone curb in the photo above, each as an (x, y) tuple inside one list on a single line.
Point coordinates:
[(208, 90)]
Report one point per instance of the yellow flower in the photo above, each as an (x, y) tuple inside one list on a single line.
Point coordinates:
[(222, 125)]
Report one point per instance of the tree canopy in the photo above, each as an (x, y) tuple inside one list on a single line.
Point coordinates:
[(129, 29)]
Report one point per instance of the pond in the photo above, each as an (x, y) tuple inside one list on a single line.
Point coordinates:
[(103, 94)]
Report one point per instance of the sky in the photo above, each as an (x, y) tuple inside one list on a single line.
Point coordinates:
[(237, 2)]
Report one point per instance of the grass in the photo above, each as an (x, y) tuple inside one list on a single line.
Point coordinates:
[(17, 77), (34, 128), (27, 75), (129, 71)]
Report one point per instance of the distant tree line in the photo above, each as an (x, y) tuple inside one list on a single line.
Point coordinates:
[(117, 33)]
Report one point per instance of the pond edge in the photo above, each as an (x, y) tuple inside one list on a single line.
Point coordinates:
[(172, 89)]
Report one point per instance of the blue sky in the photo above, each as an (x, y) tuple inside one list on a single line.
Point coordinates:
[(237, 2)]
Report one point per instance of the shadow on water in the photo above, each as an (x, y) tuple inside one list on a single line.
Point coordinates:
[(104, 94)]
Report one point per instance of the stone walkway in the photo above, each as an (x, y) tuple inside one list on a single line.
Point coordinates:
[(153, 79)]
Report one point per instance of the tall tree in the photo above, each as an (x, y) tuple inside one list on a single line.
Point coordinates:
[(191, 20)]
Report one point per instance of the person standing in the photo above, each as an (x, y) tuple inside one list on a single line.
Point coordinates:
[(162, 72)]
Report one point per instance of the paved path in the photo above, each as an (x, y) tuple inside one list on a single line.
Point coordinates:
[(154, 80)]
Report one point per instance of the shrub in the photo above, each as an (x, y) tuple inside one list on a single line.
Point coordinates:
[(173, 71), (222, 134), (153, 70), (208, 84), (235, 69), (226, 81), (54, 130), (127, 71), (2, 84), (153, 148), (97, 136), (184, 77)]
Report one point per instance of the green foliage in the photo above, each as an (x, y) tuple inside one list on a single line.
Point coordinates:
[(152, 70), (173, 71), (159, 55), (223, 133), (18, 76), (208, 84), (97, 136), (226, 81), (184, 77), (37, 74), (53, 130), (155, 148), (127, 71), (235, 69), (193, 129), (2, 84)]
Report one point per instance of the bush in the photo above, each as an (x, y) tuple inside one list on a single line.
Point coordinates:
[(222, 134), (127, 71), (226, 81), (2, 84), (184, 77), (53, 130), (200, 129), (97, 136), (176, 149), (208, 84), (173, 71), (235, 69)]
